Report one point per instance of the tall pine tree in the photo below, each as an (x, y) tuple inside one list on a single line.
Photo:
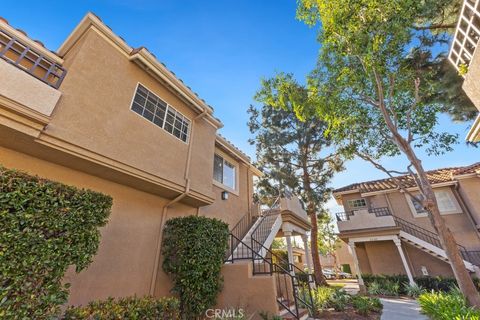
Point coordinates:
[(295, 155)]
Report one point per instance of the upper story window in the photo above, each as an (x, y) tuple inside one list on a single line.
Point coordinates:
[(357, 203), (447, 204), (151, 107), (224, 172)]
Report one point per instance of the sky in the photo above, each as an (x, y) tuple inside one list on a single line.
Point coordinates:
[(221, 49)]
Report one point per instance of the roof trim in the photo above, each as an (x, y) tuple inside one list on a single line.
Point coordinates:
[(142, 55), (237, 153)]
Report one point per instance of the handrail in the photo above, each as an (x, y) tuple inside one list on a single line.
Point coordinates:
[(263, 265), (433, 239)]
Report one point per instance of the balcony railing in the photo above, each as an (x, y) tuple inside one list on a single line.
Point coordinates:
[(27, 59), (378, 212), (472, 256)]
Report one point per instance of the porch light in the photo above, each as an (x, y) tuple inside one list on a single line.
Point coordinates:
[(224, 195)]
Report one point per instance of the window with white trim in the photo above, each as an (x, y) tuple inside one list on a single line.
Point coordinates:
[(447, 204), (357, 203), (151, 107), (224, 172)]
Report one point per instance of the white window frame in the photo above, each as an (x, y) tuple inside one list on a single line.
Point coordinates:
[(169, 107), (452, 197), (352, 207), (231, 161)]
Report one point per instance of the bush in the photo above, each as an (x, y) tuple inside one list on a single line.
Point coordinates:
[(364, 305), (193, 250), (45, 227), (126, 308), (413, 291), (446, 306), (384, 282)]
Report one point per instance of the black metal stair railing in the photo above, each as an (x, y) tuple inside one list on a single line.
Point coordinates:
[(239, 231), (472, 256), (293, 287)]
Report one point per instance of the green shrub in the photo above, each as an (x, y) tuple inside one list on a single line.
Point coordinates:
[(446, 306), (126, 308), (428, 283), (45, 227), (339, 300), (374, 288), (193, 250), (365, 305), (413, 290)]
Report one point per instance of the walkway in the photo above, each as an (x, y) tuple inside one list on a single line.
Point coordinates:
[(401, 309)]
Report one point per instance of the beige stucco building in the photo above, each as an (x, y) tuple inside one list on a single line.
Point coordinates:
[(102, 115), (465, 56), (388, 233)]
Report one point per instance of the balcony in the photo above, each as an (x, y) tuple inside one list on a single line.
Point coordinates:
[(465, 56), (30, 78), (365, 219)]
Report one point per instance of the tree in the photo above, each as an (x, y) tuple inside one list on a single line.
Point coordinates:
[(295, 155), (376, 87), (328, 241)]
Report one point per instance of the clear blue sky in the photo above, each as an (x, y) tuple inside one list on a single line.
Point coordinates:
[(219, 48)]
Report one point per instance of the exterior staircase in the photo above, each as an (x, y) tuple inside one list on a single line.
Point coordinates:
[(429, 242), (250, 240)]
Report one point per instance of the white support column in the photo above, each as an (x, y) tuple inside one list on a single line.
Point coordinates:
[(398, 243), (288, 236), (361, 285), (308, 256)]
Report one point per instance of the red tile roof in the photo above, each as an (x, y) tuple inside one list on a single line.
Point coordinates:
[(435, 176)]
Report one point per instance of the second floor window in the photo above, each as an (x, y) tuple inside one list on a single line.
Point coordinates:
[(224, 172), (447, 204), (357, 203), (151, 107)]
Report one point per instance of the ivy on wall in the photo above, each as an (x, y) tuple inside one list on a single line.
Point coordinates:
[(45, 227), (194, 250)]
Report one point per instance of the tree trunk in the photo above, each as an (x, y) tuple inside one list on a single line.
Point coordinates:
[(447, 240), (317, 267)]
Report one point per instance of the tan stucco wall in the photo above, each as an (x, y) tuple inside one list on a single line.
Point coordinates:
[(237, 205), (384, 258), (95, 110), (344, 256), (471, 85), (470, 191), (27, 90), (417, 258), (362, 257), (243, 290)]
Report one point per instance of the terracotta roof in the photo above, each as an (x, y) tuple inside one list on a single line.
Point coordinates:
[(435, 176)]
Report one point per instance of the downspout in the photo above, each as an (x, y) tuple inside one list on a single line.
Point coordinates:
[(172, 202)]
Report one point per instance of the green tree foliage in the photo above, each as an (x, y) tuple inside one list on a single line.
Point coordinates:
[(193, 250), (377, 83), (295, 155), (127, 308), (45, 227)]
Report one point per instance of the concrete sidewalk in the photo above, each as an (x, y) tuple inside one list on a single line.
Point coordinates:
[(401, 309)]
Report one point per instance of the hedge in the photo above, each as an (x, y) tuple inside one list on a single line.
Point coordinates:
[(126, 308), (429, 283), (45, 227), (194, 250)]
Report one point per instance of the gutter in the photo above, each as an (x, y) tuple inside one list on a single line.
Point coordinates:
[(185, 193)]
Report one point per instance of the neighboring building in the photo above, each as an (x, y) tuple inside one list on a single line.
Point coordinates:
[(101, 115), (466, 57), (390, 234), (342, 261)]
